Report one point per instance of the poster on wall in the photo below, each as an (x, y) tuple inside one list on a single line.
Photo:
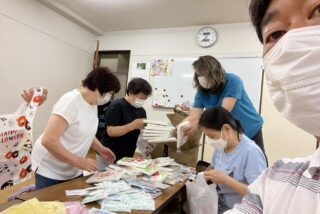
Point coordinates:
[(161, 67), (177, 88), (142, 70)]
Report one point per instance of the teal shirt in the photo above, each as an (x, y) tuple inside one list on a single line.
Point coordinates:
[(243, 109), (245, 163)]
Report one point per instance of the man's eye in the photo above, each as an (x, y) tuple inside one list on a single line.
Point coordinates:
[(275, 36), (315, 12)]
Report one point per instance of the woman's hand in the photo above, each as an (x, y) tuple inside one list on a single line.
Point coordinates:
[(27, 94), (190, 130), (87, 164), (107, 155), (193, 118), (220, 177), (216, 176)]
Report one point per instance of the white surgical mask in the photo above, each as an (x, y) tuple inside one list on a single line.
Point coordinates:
[(217, 143), (103, 100), (204, 82), (138, 103), (292, 69)]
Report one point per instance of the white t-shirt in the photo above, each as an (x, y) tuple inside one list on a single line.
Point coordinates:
[(77, 138)]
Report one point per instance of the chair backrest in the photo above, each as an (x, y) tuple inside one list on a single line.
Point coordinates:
[(202, 165), (23, 189)]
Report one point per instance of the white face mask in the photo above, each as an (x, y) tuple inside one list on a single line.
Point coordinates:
[(103, 100), (293, 72), (204, 82), (217, 143), (138, 103)]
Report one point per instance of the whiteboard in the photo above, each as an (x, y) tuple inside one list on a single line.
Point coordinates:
[(177, 87)]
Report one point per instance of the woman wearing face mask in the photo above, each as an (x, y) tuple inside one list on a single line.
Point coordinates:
[(124, 119), (59, 154), (237, 160), (215, 87), (290, 33)]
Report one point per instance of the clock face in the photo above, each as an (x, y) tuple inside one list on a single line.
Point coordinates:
[(207, 36)]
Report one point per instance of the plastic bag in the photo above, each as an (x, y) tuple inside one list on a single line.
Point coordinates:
[(144, 147), (201, 197), (16, 142), (181, 138)]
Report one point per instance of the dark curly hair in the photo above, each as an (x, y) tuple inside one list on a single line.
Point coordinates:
[(257, 10), (103, 79)]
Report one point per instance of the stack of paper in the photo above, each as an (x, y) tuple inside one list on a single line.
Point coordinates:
[(81, 192), (159, 176), (147, 186), (143, 184), (158, 132), (179, 173), (133, 200), (132, 192), (99, 211), (106, 189), (120, 196), (108, 175), (145, 166), (135, 162), (164, 161)]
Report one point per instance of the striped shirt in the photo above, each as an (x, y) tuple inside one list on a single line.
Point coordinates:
[(289, 186)]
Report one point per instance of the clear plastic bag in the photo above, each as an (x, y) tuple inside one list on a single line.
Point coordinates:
[(201, 197), (181, 139), (144, 147)]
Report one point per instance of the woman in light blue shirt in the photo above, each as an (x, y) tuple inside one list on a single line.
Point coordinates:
[(237, 160)]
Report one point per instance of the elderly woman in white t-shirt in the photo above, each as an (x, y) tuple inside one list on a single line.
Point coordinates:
[(59, 154)]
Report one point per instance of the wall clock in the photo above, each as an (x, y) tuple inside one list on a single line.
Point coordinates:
[(207, 36)]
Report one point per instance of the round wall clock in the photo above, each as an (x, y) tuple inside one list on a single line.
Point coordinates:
[(207, 36)]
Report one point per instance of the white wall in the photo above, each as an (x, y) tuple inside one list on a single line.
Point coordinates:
[(40, 48), (281, 138)]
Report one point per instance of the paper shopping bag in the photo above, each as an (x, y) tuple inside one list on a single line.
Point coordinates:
[(16, 142)]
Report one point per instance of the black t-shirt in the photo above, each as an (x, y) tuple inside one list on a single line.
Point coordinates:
[(119, 113), (102, 110)]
